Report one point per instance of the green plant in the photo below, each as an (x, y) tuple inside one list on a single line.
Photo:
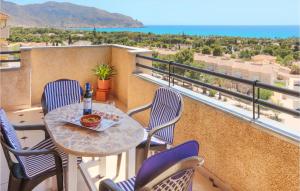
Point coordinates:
[(104, 71), (265, 94), (295, 69), (212, 93), (206, 50), (217, 51), (281, 84)]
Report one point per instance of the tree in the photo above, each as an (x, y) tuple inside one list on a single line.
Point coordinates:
[(296, 55), (285, 61), (295, 69), (206, 50), (245, 54), (185, 56), (94, 32), (268, 50), (265, 94), (70, 40), (217, 51)]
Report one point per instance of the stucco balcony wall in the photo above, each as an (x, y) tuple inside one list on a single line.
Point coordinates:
[(241, 154)]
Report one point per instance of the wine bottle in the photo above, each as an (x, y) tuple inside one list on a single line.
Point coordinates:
[(87, 100)]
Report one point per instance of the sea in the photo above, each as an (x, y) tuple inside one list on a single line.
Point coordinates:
[(285, 31)]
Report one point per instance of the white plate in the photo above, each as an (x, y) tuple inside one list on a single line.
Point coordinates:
[(104, 124)]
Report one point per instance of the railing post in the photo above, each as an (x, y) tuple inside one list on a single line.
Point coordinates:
[(253, 100), (173, 71), (169, 73), (258, 106)]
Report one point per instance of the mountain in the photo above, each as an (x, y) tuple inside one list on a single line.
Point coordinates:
[(55, 14)]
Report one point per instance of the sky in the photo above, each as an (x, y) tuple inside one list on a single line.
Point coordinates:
[(199, 12)]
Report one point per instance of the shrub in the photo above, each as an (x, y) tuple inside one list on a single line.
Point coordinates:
[(285, 61), (295, 69), (233, 56), (217, 51), (206, 50), (265, 94), (212, 93), (185, 56), (245, 54)]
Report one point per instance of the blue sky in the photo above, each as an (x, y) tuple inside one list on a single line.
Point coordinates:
[(199, 12)]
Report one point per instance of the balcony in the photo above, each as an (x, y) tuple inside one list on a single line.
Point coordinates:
[(241, 153)]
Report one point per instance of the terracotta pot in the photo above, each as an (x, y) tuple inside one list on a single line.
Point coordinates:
[(102, 95), (103, 84)]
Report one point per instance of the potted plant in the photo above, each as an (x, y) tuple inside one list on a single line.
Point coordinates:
[(104, 72)]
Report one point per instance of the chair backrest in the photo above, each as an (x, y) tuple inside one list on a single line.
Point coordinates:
[(60, 93), (9, 137), (172, 169), (166, 106)]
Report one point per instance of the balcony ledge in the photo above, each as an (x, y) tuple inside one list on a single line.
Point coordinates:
[(276, 128)]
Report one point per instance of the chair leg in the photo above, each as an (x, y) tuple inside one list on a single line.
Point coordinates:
[(119, 160), (60, 181), (65, 178), (139, 158), (13, 183)]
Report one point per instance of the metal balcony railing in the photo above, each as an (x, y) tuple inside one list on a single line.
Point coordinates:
[(256, 85), (10, 53)]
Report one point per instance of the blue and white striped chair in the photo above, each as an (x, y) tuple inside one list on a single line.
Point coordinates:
[(166, 109), (60, 93), (33, 165), (170, 170)]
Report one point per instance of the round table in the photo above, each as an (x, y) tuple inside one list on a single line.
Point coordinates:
[(78, 141)]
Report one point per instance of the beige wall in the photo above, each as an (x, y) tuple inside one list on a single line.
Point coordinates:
[(41, 65), (124, 59), (4, 32), (49, 64), (121, 61), (15, 85), (235, 150)]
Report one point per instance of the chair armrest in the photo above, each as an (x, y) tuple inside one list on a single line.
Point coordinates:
[(32, 128), (29, 152), (139, 109), (29, 127), (57, 158), (201, 161), (156, 129), (109, 185)]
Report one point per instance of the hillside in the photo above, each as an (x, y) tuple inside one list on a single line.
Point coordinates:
[(55, 14)]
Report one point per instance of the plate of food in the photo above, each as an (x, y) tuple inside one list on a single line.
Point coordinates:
[(108, 116), (90, 120), (94, 122)]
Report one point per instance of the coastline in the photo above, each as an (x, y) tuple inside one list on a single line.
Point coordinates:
[(243, 31)]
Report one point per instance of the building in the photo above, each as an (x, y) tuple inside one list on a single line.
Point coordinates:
[(4, 29)]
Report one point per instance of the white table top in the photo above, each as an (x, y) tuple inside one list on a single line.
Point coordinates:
[(83, 142)]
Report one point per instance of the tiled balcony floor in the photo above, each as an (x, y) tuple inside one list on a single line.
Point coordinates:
[(34, 116)]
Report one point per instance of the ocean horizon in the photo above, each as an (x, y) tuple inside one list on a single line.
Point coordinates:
[(251, 31)]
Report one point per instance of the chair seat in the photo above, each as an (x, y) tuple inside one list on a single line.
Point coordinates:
[(127, 185), (154, 141), (36, 165)]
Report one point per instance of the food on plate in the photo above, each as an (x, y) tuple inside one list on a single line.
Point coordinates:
[(90, 120)]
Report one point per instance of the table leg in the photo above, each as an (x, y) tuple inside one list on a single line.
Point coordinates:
[(130, 163), (72, 173)]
